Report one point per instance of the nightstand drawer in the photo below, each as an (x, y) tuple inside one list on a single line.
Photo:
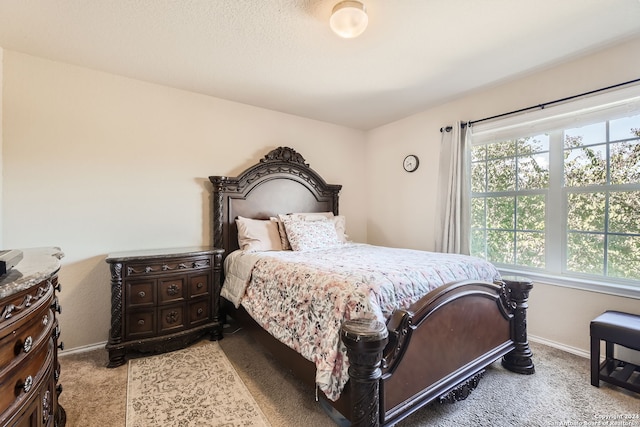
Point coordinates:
[(199, 312), (199, 285), (171, 319), (141, 293), (171, 290), (140, 324)]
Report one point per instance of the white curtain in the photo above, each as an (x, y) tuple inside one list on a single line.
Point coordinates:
[(454, 192)]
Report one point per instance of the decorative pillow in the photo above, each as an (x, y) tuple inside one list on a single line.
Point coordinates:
[(341, 227), (255, 235), (283, 234), (307, 235)]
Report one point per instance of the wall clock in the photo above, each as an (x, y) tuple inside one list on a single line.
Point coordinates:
[(410, 163)]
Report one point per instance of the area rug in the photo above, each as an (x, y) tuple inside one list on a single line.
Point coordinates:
[(196, 386)]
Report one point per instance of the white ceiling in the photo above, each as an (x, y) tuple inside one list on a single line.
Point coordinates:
[(281, 54)]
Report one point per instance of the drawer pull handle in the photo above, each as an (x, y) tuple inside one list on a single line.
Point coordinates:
[(199, 285), (200, 311), (56, 306), (142, 294), (28, 343), (28, 383), (45, 320), (141, 322), (61, 345), (172, 317), (173, 289), (58, 287)]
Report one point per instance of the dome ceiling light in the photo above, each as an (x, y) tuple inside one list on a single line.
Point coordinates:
[(349, 19)]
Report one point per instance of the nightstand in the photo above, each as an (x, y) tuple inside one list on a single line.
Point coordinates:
[(163, 300)]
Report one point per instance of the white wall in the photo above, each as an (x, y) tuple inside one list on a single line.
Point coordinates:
[(97, 163), (402, 206)]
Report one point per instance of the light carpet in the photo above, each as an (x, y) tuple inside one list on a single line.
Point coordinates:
[(196, 386)]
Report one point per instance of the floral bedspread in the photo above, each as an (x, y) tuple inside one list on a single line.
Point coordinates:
[(302, 298)]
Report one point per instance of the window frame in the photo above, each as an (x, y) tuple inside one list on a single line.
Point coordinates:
[(556, 271)]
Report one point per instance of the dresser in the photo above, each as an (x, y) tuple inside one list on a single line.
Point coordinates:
[(163, 300), (29, 331)]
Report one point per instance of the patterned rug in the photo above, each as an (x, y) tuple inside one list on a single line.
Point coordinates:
[(191, 387)]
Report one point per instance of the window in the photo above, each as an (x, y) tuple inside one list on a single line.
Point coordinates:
[(563, 200)]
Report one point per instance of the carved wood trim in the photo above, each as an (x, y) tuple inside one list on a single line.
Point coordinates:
[(10, 310), (462, 390)]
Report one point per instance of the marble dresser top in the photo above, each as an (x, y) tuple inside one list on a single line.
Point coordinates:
[(36, 265)]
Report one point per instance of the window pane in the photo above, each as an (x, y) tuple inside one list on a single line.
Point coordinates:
[(533, 144), (500, 246), (585, 253), (624, 212), (500, 212), (478, 152), (531, 212), (625, 162), (501, 175), (585, 211), (533, 172), (478, 177), (624, 128), (624, 257), (501, 149), (530, 249), (478, 243), (585, 135), (585, 166), (477, 212)]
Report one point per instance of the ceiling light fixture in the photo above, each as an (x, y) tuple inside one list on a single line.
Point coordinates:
[(349, 19)]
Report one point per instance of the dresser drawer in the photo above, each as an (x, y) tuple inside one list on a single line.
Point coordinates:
[(171, 319), (199, 312), (140, 324), (141, 293), (24, 377), (169, 265), (171, 290), (22, 335), (199, 285)]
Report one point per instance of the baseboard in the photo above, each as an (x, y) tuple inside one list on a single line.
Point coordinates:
[(83, 349), (573, 350)]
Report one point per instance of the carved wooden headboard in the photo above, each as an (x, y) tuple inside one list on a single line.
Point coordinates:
[(282, 182)]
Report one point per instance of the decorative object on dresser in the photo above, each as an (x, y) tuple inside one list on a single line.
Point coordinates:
[(8, 259), (163, 300), (29, 331)]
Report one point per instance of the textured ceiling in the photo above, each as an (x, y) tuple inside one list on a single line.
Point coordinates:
[(281, 54)]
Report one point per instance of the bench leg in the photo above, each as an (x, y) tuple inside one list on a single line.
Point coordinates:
[(609, 350), (595, 361)]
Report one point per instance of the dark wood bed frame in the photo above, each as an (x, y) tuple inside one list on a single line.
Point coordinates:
[(436, 350)]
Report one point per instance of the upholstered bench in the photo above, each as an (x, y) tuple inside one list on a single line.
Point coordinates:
[(619, 328)]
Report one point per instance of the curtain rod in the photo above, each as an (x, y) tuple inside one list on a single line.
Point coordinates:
[(540, 106)]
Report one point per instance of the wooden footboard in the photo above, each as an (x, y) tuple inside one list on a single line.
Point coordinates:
[(436, 350)]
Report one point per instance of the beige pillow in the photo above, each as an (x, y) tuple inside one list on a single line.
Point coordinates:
[(256, 235)]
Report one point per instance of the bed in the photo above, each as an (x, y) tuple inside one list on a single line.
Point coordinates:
[(433, 347)]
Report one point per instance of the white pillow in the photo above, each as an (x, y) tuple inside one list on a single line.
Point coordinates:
[(308, 235), (255, 235)]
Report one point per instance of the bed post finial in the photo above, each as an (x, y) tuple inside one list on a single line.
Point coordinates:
[(365, 341)]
